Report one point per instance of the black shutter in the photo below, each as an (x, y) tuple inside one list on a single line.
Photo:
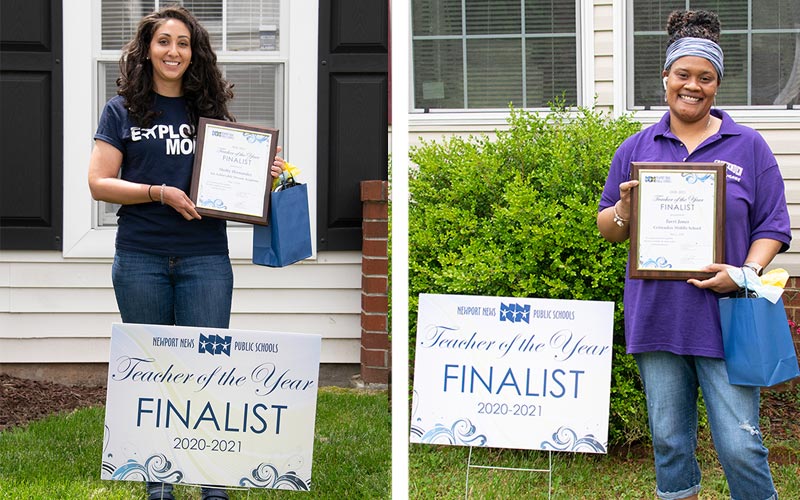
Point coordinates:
[(31, 215), (352, 140)]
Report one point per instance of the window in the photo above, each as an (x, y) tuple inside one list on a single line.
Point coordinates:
[(483, 54), (760, 39), (245, 35)]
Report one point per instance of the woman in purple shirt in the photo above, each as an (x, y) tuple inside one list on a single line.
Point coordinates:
[(672, 328)]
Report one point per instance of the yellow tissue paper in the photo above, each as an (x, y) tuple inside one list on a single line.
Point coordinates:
[(776, 277)]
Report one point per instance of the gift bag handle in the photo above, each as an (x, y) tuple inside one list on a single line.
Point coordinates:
[(747, 291)]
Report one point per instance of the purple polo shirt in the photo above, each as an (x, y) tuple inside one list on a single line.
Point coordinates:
[(675, 316)]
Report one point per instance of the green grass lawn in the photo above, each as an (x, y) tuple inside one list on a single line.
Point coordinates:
[(59, 457), (439, 472), (624, 473)]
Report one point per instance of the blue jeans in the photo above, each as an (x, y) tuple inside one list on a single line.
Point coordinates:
[(184, 291), (671, 384)]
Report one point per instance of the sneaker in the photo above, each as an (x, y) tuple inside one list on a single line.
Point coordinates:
[(214, 494)]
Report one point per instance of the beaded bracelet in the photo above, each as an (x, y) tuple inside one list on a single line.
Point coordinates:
[(618, 220), (162, 193)]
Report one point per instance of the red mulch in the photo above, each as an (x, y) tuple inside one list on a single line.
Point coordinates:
[(24, 400), (780, 412), (780, 419)]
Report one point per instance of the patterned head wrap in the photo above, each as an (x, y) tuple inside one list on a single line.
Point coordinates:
[(700, 47)]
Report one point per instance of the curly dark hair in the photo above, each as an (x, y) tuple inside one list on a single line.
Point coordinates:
[(693, 23), (206, 92)]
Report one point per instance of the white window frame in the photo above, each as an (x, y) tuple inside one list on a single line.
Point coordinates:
[(623, 59), (299, 28), (468, 119)]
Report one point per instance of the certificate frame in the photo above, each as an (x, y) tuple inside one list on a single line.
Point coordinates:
[(228, 181), (677, 208)]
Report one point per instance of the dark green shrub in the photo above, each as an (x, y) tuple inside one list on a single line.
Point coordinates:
[(516, 216)]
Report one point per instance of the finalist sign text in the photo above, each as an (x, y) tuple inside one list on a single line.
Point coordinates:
[(512, 373), (211, 406)]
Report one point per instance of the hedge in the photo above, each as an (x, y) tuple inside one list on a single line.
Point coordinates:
[(515, 216)]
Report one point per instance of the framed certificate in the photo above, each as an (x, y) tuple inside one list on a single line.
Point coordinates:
[(677, 219), (231, 177)]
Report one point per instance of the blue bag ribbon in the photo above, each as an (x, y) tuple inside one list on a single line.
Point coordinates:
[(287, 238), (758, 345)]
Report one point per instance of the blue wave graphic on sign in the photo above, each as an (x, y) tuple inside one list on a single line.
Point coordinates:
[(156, 468), (461, 432), (515, 313), (566, 439), (214, 344), (267, 476)]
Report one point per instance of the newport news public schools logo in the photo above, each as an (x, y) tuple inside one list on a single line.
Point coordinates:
[(657, 179), (515, 313), (214, 344)]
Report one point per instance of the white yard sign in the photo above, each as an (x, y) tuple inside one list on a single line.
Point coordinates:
[(211, 406), (512, 373)]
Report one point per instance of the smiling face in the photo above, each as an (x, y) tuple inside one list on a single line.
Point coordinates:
[(692, 84), (170, 54)]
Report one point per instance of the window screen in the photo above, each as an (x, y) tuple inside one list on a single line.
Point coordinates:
[(483, 54), (760, 39)]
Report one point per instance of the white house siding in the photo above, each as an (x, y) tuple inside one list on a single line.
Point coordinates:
[(54, 310), (604, 54), (780, 132), (784, 139)]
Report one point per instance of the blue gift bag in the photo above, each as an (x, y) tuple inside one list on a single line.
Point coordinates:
[(287, 238), (758, 344)]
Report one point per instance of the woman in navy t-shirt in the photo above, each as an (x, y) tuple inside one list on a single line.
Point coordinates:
[(171, 266)]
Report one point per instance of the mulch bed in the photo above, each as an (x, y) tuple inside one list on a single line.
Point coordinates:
[(22, 401)]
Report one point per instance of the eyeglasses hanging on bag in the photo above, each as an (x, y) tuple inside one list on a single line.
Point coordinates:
[(287, 177)]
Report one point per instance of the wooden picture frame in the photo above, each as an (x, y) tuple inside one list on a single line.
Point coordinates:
[(231, 176), (677, 219)]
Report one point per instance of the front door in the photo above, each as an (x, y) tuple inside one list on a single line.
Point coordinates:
[(353, 99)]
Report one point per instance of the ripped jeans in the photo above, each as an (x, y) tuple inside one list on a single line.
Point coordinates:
[(671, 384)]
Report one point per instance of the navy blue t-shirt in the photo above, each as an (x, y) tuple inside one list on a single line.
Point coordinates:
[(160, 154)]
